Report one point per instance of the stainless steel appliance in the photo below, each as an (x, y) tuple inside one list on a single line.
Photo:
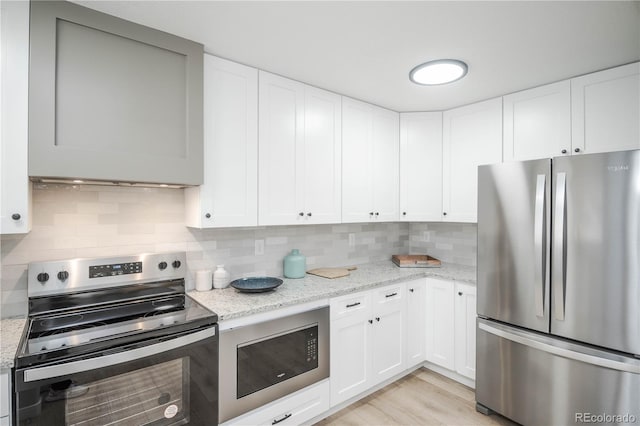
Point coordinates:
[(558, 331), (116, 341), (268, 360)]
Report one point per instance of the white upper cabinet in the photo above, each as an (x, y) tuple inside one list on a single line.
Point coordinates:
[(421, 166), (15, 188), (370, 162), (229, 195), (605, 110), (537, 122), (472, 136), (321, 157), (299, 153)]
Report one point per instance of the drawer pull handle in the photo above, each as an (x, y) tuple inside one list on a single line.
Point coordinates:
[(378, 319), (353, 304), (286, 416), (391, 295)]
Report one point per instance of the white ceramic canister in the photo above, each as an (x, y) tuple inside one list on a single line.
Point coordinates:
[(203, 280), (221, 277)]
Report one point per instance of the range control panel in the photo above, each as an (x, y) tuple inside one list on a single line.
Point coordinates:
[(73, 275), (99, 271)]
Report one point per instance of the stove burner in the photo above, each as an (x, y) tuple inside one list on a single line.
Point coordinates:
[(66, 330)]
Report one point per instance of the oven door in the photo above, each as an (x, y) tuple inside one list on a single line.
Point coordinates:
[(171, 380)]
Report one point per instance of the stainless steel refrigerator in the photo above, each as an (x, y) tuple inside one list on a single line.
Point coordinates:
[(558, 329)]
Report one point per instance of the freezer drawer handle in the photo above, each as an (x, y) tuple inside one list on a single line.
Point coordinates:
[(539, 240), (559, 248), (633, 368)]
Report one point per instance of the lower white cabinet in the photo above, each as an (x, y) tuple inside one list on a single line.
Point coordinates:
[(414, 331), (451, 326), (5, 398), (465, 330), (367, 331), (295, 409), (440, 323)]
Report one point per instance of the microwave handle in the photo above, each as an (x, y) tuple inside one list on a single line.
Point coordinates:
[(42, 373)]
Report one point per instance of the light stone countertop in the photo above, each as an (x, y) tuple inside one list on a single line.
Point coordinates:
[(10, 334), (229, 303)]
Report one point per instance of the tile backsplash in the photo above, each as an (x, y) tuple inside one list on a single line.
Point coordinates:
[(94, 221), (449, 242)]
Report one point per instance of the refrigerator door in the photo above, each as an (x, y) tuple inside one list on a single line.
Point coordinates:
[(513, 242), (536, 379), (596, 250)]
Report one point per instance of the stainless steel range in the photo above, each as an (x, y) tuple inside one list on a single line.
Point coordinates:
[(116, 341)]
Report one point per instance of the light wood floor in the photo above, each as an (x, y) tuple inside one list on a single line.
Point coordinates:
[(421, 398)]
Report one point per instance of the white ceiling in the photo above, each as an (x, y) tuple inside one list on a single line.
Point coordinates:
[(366, 49)]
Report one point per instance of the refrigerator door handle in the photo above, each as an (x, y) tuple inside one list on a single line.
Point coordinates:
[(559, 247), (539, 243), (633, 366)]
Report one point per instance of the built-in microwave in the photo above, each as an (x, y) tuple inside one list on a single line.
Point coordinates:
[(262, 362)]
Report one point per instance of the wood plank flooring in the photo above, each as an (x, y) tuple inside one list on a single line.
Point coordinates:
[(421, 398)]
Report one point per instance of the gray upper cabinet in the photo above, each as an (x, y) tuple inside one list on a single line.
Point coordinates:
[(112, 100)]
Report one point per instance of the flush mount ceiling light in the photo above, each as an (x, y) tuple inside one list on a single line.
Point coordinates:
[(442, 71)]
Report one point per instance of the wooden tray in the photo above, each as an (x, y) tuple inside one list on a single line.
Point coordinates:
[(415, 261)]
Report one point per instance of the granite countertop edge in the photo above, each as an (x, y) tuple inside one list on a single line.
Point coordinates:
[(231, 304), (10, 333)]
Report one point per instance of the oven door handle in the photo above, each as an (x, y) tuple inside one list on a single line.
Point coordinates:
[(42, 373)]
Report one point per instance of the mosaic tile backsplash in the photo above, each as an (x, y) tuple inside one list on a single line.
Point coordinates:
[(93, 221)]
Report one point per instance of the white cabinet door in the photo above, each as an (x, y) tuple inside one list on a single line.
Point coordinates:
[(421, 166), (387, 345), (5, 397), (385, 164), (229, 195), (322, 157), (370, 162), (15, 188), (537, 122), (299, 153), (465, 325), (440, 323), (357, 193), (605, 110), (415, 323), (281, 132), (472, 136), (350, 346)]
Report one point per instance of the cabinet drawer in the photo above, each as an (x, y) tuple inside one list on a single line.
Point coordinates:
[(295, 409), (350, 304), (388, 295)]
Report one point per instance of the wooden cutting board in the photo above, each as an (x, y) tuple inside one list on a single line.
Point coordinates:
[(332, 272)]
